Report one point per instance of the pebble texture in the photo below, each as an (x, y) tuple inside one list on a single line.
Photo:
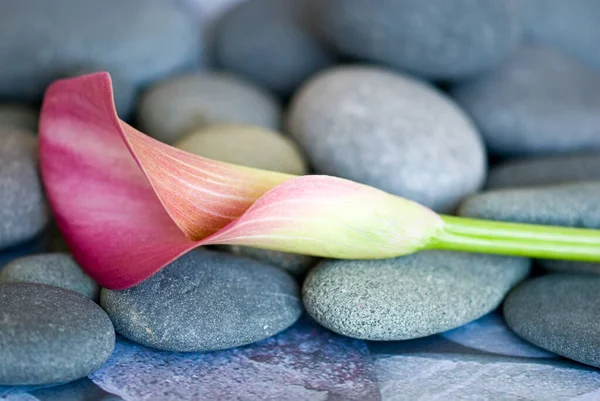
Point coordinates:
[(538, 102), (141, 40), (205, 301), (50, 335), (23, 211), (178, 106), (411, 296), (271, 43), (57, 269), (246, 145), (571, 26), (559, 313), (438, 39), (295, 264), (547, 170), (17, 116), (391, 132)]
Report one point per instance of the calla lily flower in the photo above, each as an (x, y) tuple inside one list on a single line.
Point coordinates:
[(127, 205)]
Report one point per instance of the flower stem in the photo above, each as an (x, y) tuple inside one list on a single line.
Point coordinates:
[(537, 241)]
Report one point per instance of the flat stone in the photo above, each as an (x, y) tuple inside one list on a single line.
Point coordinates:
[(178, 106), (438, 39), (23, 210), (141, 40), (539, 102), (571, 26), (14, 116), (408, 297), (50, 335), (272, 43), (57, 269), (389, 131), (205, 301), (545, 170), (246, 145), (294, 263), (560, 313)]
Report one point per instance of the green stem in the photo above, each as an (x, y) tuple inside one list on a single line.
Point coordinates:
[(537, 241)]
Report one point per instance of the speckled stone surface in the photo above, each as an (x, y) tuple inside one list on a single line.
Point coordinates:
[(440, 39), (389, 131), (295, 264), (272, 43), (547, 170), (538, 102), (23, 210), (142, 40), (50, 335), (558, 312), (408, 297), (178, 106), (304, 363), (246, 145), (18, 116), (205, 301), (58, 269), (571, 26)]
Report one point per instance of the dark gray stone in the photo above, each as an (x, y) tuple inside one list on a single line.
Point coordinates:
[(294, 263), (205, 301), (142, 40), (270, 42), (50, 335), (571, 26), (389, 131), (178, 106), (23, 210), (538, 102), (441, 39), (408, 297), (548, 170), (57, 269), (18, 116), (560, 313)]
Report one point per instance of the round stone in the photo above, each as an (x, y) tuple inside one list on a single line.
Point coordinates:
[(270, 42), (438, 39), (571, 26), (15, 116), (295, 264), (205, 301), (57, 269), (389, 131), (560, 313), (23, 210), (246, 145), (545, 170), (49, 335), (178, 106), (141, 40), (408, 297), (538, 102)]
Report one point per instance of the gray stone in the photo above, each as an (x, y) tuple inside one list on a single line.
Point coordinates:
[(57, 269), (50, 335), (270, 42), (440, 39), (570, 205), (205, 301), (18, 116), (560, 313), (538, 102), (294, 263), (23, 210), (546, 170), (142, 40), (389, 131), (571, 26), (178, 106), (408, 297)]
